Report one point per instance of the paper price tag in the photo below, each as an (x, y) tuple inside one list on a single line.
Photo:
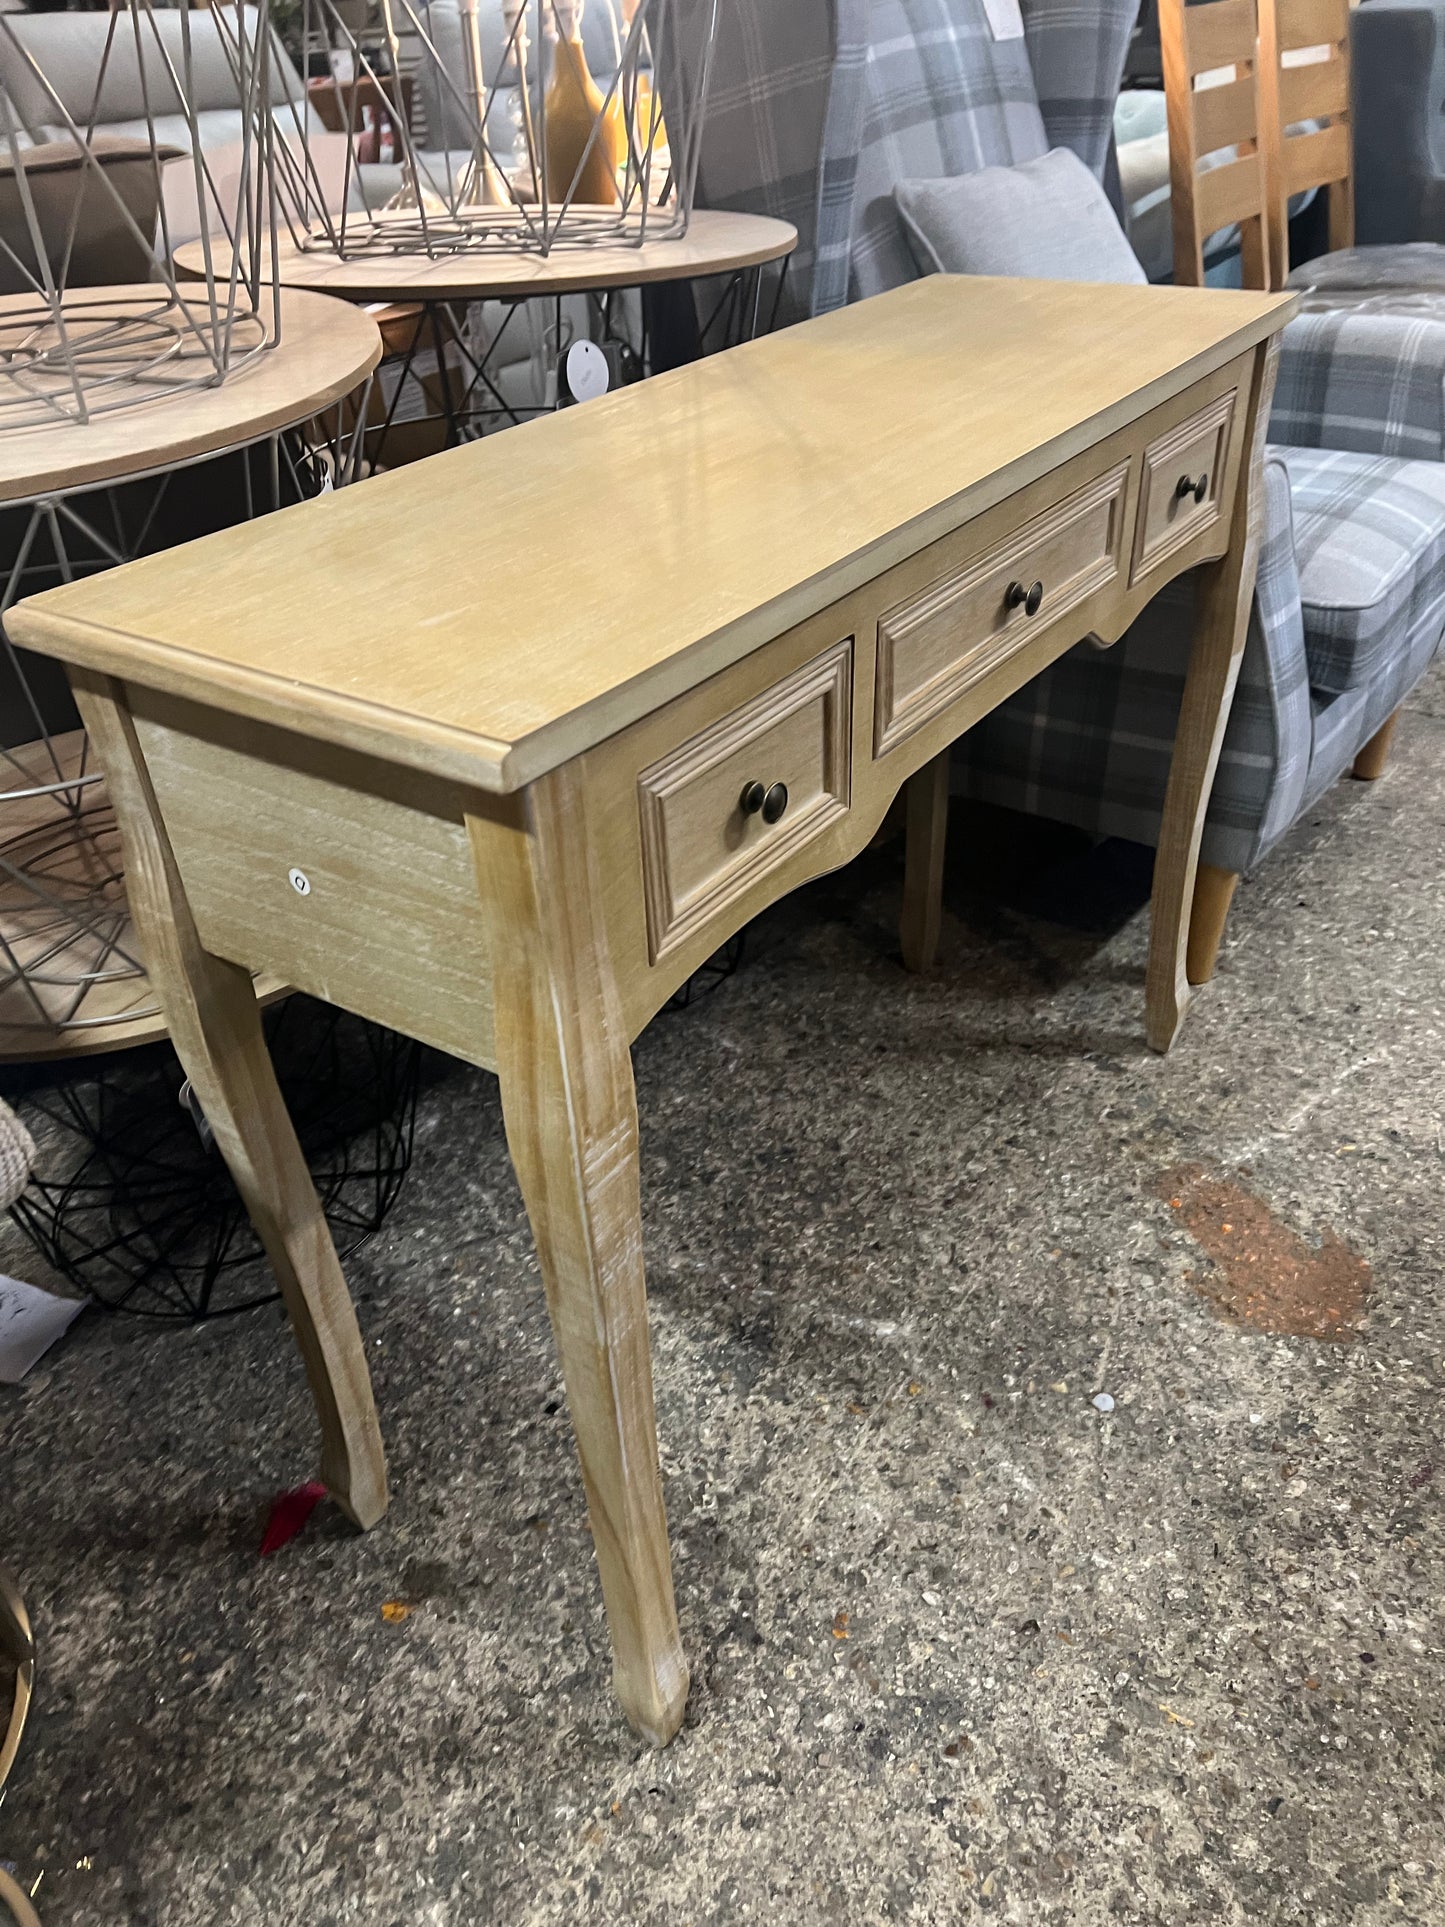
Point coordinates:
[(1004, 19), (587, 371)]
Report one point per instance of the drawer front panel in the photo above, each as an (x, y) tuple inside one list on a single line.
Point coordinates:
[(1171, 513), (938, 643), (701, 847)]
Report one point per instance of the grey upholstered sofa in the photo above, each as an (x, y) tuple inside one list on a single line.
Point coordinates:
[(819, 111), (68, 50)]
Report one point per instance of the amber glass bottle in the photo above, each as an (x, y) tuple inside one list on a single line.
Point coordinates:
[(571, 110)]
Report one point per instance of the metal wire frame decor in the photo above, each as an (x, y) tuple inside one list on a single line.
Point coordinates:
[(131, 1200), (68, 967), (70, 353), (478, 189)]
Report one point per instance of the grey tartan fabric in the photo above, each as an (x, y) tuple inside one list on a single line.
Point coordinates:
[(1077, 55), (818, 108), (17, 1155), (811, 101), (1370, 550), (1372, 383), (1089, 741), (1342, 725), (921, 90), (763, 134)]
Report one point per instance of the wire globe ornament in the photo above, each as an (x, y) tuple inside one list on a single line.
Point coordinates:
[(514, 125), (71, 350)]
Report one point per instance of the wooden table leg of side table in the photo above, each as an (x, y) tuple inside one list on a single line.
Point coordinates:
[(215, 1024), (1224, 596), (571, 1116)]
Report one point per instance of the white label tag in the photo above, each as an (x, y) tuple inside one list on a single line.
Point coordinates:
[(1004, 19), (587, 371), (30, 1322)]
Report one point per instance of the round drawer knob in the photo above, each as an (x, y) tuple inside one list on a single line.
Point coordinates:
[(1031, 600), (775, 802), (752, 798), (1187, 485)]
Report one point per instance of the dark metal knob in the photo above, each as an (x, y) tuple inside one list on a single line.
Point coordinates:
[(1030, 600), (1187, 485), (775, 802), (752, 798)]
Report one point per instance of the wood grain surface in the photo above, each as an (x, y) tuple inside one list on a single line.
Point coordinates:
[(496, 610)]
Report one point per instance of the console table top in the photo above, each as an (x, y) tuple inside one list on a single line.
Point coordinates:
[(498, 609)]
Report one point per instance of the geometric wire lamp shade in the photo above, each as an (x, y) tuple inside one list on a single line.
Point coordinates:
[(512, 126), (81, 211)]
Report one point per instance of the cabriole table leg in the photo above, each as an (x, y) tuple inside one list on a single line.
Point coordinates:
[(211, 1012), (1221, 626), (571, 1116)]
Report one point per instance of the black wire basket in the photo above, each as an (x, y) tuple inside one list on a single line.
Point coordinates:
[(132, 1202)]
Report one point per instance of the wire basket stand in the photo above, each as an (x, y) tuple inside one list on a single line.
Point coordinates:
[(516, 162)]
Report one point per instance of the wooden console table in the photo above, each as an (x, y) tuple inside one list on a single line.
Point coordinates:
[(497, 749)]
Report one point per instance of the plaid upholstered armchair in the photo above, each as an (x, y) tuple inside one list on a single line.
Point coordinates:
[(819, 108)]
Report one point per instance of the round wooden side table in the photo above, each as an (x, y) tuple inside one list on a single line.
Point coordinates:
[(427, 303), (83, 497)]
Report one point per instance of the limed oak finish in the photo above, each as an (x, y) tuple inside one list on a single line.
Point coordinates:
[(507, 807)]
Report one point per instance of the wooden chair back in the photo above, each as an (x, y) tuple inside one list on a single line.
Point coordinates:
[(1217, 44), (1304, 58)]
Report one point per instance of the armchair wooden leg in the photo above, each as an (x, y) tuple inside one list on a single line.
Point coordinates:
[(927, 843), (1213, 894), (1371, 761)]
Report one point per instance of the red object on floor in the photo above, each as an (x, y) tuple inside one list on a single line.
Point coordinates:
[(289, 1512)]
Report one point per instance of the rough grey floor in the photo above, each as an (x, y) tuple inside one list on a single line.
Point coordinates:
[(1177, 1664)]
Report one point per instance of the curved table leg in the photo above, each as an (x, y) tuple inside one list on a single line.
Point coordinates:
[(1225, 595), (571, 1116), (215, 1024)]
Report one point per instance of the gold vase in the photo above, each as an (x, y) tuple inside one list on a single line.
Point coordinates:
[(572, 110)]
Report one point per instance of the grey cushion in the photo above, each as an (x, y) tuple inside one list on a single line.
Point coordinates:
[(1370, 548), (1047, 218), (96, 215)]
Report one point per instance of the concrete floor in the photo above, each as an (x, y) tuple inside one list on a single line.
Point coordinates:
[(963, 1647)]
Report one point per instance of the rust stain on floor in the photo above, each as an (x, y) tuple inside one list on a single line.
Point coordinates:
[(1265, 1277)]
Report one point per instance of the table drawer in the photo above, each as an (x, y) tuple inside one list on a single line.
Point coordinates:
[(952, 633), (736, 800), (1183, 478)]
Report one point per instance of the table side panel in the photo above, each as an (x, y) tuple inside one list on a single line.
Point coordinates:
[(389, 926)]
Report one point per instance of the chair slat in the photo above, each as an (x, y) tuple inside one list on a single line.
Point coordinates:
[(1221, 34), (1319, 91), (1226, 116), (1316, 160), (1228, 194), (1311, 23)]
